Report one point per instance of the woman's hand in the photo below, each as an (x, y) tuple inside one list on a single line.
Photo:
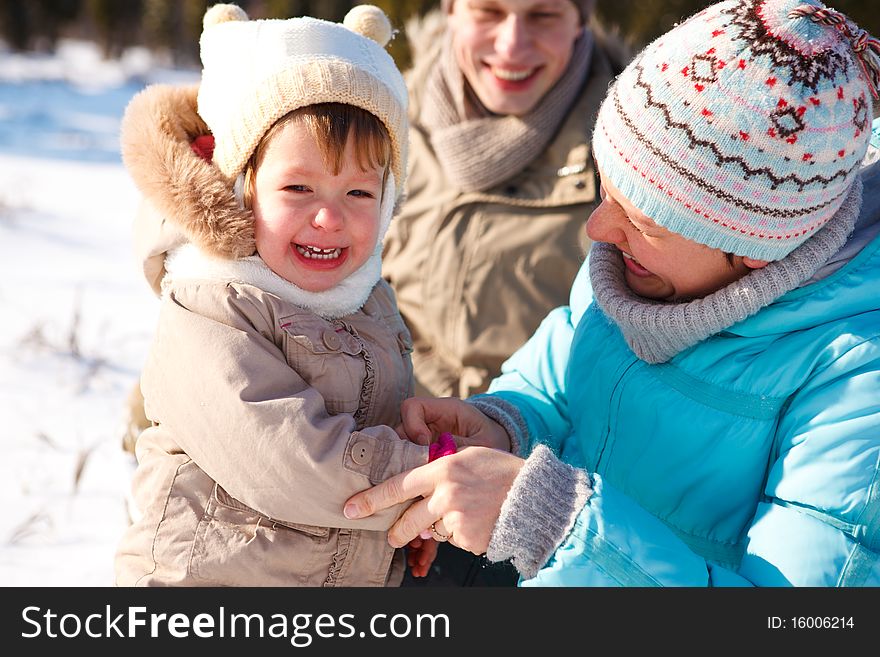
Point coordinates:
[(425, 417), (462, 497)]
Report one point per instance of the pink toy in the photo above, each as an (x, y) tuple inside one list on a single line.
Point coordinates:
[(444, 446)]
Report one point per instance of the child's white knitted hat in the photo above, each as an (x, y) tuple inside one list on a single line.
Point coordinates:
[(255, 72)]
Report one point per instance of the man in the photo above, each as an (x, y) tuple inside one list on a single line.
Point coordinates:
[(503, 95)]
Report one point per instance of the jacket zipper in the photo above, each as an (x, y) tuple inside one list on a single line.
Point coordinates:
[(613, 403)]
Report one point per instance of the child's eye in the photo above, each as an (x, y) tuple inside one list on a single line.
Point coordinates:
[(296, 188), (361, 193)]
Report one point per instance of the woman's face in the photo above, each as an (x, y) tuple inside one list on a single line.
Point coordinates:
[(512, 52), (661, 264)]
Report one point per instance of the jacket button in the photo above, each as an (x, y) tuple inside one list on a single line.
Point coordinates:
[(362, 452), (332, 340)]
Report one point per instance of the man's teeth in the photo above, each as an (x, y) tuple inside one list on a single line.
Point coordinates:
[(513, 76), (318, 254)]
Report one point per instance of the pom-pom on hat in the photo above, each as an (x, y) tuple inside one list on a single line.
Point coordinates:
[(255, 72), (743, 128)]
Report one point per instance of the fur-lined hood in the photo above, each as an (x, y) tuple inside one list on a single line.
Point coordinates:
[(188, 200), (183, 189)]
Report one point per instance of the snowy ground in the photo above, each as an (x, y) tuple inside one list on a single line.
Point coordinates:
[(77, 316)]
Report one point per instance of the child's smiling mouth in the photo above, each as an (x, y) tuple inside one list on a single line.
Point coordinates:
[(317, 253)]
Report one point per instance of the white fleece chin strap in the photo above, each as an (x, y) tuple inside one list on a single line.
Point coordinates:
[(348, 296)]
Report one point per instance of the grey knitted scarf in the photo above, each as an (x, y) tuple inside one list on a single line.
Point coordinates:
[(478, 149), (656, 330)]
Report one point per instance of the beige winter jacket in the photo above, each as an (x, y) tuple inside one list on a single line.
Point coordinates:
[(475, 273), (266, 416)]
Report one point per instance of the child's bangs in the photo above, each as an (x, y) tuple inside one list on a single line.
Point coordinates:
[(331, 125)]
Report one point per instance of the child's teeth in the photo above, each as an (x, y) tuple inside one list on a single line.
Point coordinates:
[(318, 254)]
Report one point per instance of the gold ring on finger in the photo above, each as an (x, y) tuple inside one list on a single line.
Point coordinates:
[(437, 535)]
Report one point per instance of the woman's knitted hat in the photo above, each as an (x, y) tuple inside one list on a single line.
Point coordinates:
[(743, 128), (255, 72)]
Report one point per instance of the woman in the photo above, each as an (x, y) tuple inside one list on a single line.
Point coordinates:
[(706, 411)]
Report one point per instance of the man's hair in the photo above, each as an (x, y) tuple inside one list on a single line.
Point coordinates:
[(330, 125)]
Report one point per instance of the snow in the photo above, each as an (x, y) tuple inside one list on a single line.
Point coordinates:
[(77, 314)]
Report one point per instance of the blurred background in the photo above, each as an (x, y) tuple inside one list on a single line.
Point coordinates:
[(77, 316), (172, 27)]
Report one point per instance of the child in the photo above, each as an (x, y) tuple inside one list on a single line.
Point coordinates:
[(274, 379), (706, 412)]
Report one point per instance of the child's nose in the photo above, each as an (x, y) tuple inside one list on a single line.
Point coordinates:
[(328, 217)]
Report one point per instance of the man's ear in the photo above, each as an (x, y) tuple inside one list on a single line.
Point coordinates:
[(751, 263)]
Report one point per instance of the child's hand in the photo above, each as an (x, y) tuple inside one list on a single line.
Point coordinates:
[(420, 554), (423, 418)]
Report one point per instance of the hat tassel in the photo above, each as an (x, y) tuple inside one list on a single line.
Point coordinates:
[(866, 47)]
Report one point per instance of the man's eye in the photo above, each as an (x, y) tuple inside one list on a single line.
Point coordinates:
[(486, 13), (543, 16)]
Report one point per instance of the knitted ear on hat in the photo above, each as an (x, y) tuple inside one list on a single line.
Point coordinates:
[(223, 13), (744, 127), (371, 22)]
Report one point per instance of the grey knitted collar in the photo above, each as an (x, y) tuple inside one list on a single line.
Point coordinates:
[(657, 330)]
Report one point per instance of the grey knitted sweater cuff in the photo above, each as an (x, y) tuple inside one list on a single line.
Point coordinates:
[(539, 512), (505, 414)]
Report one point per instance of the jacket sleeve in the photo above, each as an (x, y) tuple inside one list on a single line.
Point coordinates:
[(532, 380), (818, 525), (233, 404)]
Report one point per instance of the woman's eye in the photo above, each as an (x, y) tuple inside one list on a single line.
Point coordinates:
[(637, 227)]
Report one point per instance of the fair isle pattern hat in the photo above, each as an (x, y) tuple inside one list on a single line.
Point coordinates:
[(255, 72), (743, 128)]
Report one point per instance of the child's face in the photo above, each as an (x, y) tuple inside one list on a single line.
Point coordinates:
[(661, 264), (314, 228)]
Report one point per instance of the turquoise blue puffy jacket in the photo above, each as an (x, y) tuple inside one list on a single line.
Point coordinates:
[(750, 458)]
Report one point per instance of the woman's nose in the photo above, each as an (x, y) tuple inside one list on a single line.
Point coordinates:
[(605, 225)]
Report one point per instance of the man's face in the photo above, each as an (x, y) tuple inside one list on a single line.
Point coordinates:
[(512, 52)]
